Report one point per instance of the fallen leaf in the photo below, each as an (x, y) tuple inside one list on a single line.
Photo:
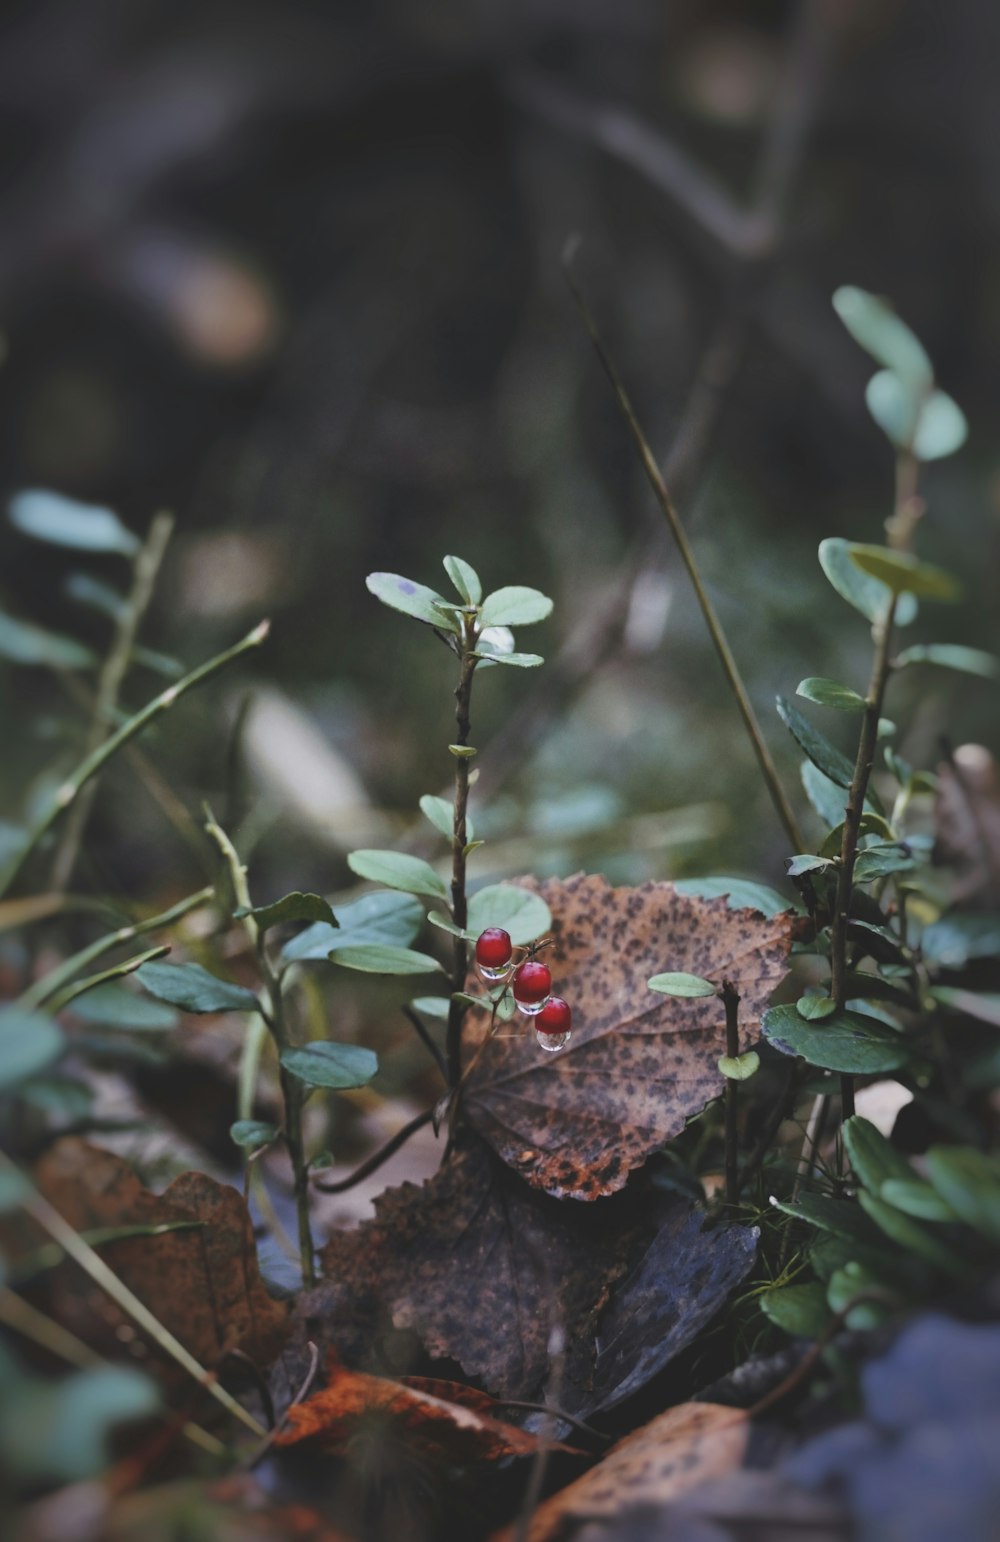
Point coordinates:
[(234, 1509), (482, 1268), (202, 1284), (460, 1429), (638, 1064), (654, 1465)]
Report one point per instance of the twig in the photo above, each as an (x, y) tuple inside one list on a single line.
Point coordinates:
[(778, 1114), (70, 790), (729, 665), (422, 1034), (809, 1359), (109, 684), (731, 1000), (274, 1017), (59, 1229), (128, 966), (382, 1155), (459, 840)]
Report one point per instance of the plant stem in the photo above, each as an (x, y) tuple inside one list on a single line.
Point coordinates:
[(109, 684), (459, 840), (74, 784), (50, 983), (768, 769), (731, 1000), (274, 1017), (882, 633), (374, 1162)]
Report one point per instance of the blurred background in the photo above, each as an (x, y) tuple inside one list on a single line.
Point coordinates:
[(293, 271)]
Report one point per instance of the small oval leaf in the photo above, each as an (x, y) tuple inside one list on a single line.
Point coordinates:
[(397, 870), (847, 1041), (901, 572), (677, 983), (62, 521), (518, 911), (515, 605), (377, 958), (252, 1134), (828, 693), (465, 578), (24, 643), (193, 989), (815, 745), (412, 599), (323, 1064), (29, 1041), (865, 593)]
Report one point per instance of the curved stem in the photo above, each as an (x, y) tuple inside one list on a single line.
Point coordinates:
[(383, 1154)]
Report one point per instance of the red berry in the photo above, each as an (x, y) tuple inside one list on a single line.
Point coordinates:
[(555, 1017), (493, 948), (532, 983)]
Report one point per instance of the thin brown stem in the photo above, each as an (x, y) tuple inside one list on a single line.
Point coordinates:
[(109, 684), (459, 841), (768, 769), (374, 1162), (731, 1001)]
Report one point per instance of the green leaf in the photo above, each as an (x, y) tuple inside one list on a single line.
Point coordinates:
[(912, 1235), (915, 1198), (882, 861), (825, 796), (805, 863), (840, 1217), (941, 428), (397, 870), (446, 924), (462, 751), (14, 1190), (115, 1006), (800, 1310), (815, 1008), (59, 1430), (865, 593), (681, 984), (29, 1041), (955, 940), (869, 824), (740, 894), (739, 1068), (514, 606), (99, 596), (62, 521), (386, 916), (969, 661), (880, 331), (518, 911), (252, 1134), (291, 907), (847, 1041), (377, 958), (440, 813), (851, 1281), (901, 572), (515, 660), (431, 1006), (62, 1096), (873, 1158), (465, 578), (331, 1065), (969, 1181), (24, 643), (827, 693), (813, 744), (983, 1005), (412, 599), (193, 989)]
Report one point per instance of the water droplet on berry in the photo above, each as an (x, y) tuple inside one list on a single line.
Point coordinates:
[(551, 1041), (495, 976)]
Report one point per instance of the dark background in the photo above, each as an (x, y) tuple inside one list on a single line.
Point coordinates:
[(293, 271)]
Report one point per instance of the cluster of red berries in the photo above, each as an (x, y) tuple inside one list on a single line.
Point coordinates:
[(531, 984)]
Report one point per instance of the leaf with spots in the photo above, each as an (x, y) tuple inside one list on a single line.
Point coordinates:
[(638, 1064), (652, 1467), (481, 1268)]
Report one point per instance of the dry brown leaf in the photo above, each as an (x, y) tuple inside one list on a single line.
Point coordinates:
[(482, 1267), (203, 1284), (654, 1465), (639, 1064), (459, 1429)]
